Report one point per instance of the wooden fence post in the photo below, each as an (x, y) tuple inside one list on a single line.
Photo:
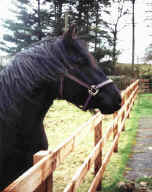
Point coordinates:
[(129, 104), (98, 161), (46, 186), (128, 94), (133, 100), (115, 132), (123, 114)]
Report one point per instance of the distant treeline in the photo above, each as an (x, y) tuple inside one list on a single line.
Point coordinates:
[(34, 20)]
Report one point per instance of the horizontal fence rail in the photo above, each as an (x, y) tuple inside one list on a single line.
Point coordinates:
[(39, 178), (41, 170)]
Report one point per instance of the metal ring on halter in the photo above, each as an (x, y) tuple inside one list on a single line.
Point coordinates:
[(93, 90)]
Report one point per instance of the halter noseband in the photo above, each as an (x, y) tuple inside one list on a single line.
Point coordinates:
[(93, 90)]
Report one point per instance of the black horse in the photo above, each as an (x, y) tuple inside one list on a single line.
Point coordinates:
[(59, 69)]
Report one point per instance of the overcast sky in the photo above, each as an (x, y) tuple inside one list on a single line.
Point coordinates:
[(142, 32)]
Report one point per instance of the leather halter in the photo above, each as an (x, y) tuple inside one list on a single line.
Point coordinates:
[(93, 90)]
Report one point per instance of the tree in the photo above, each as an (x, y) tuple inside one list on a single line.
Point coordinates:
[(148, 54), (36, 20), (56, 15), (148, 19), (116, 11), (28, 26), (88, 16), (101, 44)]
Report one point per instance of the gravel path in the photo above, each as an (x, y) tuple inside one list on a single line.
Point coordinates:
[(140, 163)]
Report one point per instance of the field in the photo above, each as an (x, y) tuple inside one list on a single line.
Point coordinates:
[(60, 122)]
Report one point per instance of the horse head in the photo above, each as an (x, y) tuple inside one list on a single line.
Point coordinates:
[(35, 77), (85, 84)]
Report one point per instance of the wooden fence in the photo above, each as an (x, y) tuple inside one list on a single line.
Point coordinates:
[(146, 85), (39, 178)]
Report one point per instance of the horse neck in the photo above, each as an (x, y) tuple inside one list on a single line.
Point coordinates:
[(44, 97)]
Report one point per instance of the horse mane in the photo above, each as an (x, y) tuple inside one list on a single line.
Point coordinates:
[(45, 62)]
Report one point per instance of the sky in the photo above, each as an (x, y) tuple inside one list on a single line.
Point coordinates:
[(142, 33), (4, 9)]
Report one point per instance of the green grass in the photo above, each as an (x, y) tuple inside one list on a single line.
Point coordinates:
[(63, 119), (146, 180)]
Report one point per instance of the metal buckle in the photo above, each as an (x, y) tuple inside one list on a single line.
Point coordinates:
[(93, 90)]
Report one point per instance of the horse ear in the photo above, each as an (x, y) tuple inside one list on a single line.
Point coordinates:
[(70, 34)]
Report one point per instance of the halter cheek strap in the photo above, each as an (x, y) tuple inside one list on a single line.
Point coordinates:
[(93, 90)]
